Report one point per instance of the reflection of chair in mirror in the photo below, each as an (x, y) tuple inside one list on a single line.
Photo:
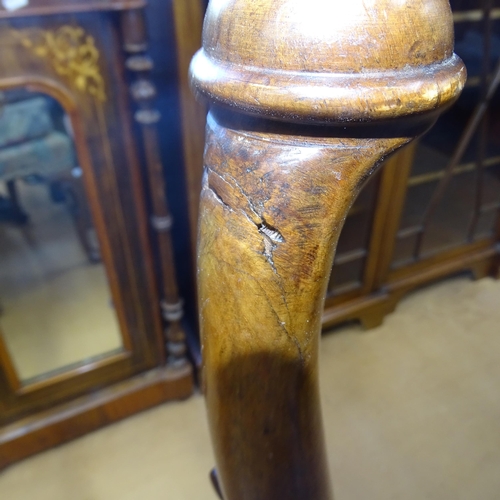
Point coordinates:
[(34, 150)]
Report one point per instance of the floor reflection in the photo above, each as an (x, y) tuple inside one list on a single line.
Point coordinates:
[(56, 307)]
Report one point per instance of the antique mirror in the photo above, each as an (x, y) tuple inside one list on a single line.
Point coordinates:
[(90, 316), (78, 294), (57, 309)]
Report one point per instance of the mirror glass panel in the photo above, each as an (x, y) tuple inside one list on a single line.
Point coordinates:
[(56, 311)]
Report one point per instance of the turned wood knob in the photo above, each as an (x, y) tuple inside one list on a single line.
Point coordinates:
[(320, 61), (307, 98)]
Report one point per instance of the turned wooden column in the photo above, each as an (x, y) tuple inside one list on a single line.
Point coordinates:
[(307, 98), (143, 92)]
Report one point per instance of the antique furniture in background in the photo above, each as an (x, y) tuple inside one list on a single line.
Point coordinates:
[(306, 100), (80, 54), (433, 208), (32, 147), (377, 261), (188, 18)]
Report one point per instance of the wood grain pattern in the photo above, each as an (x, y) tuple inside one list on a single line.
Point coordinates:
[(188, 19), (271, 247), (276, 191), (44, 412), (67, 421), (104, 145), (401, 55)]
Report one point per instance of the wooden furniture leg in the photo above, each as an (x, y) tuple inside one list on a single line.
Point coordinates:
[(306, 100)]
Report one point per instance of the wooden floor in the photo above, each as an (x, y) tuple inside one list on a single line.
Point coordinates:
[(412, 412)]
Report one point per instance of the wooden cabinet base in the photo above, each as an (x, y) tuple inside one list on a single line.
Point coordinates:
[(70, 420), (481, 259)]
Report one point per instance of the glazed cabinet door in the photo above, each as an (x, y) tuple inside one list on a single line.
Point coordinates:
[(452, 192), (433, 210), (79, 305)]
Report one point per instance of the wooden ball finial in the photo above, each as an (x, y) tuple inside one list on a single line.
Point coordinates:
[(328, 61)]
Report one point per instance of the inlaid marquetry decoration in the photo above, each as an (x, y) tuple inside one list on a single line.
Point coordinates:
[(71, 52)]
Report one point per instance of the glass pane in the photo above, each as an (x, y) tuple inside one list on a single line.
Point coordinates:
[(404, 249), (493, 139), (449, 224), (348, 268), (436, 148), (491, 185), (416, 202), (486, 224), (490, 202), (356, 231), (346, 276), (450, 220), (56, 310)]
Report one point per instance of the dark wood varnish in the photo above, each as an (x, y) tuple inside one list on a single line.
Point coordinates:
[(95, 96), (370, 247), (436, 202), (147, 116), (188, 18), (67, 421), (300, 119)]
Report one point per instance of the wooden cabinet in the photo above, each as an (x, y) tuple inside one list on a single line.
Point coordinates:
[(81, 329), (425, 215), (433, 210)]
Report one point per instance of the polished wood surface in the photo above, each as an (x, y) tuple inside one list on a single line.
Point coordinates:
[(436, 207), (61, 423), (78, 60), (100, 120), (372, 241), (276, 191), (188, 19), (143, 92)]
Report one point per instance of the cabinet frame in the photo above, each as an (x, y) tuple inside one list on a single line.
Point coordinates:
[(71, 402)]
